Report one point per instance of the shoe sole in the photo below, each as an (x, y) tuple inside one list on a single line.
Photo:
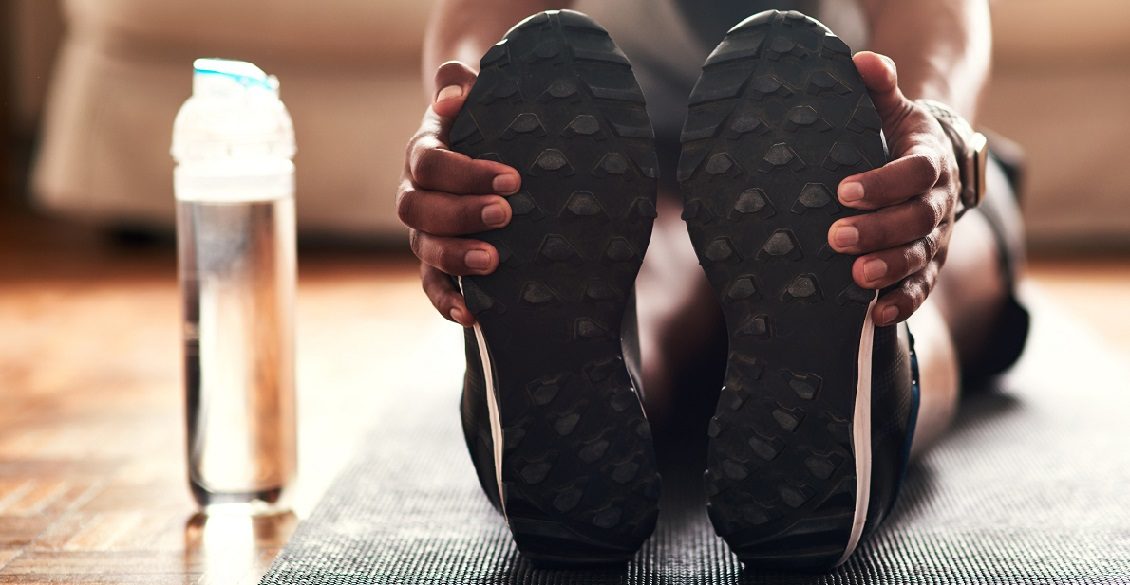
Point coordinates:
[(777, 119), (572, 448)]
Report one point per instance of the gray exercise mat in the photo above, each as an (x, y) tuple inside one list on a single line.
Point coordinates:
[(1031, 486)]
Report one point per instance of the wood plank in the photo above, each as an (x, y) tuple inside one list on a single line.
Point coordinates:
[(92, 471), (92, 486)]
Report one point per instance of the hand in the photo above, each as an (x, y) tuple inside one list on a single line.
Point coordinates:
[(904, 241), (444, 194)]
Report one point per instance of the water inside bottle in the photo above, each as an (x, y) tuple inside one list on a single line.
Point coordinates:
[(237, 271)]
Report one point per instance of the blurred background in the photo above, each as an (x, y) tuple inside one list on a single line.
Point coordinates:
[(91, 88), (90, 403)]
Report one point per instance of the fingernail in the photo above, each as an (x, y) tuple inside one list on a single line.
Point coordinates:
[(494, 215), (456, 315), (449, 91), (477, 259), (888, 315), (846, 236), (505, 184), (850, 192), (890, 62), (874, 270)]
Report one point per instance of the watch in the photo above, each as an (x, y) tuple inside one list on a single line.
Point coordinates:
[(970, 147)]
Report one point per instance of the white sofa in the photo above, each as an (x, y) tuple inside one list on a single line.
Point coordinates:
[(1061, 88), (349, 71)]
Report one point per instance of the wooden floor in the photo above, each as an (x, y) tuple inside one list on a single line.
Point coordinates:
[(92, 483), (1096, 290), (92, 471)]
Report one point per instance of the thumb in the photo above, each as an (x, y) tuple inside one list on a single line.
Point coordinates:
[(881, 78), (453, 82)]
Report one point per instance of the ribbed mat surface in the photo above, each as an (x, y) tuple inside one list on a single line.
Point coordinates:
[(1032, 486)]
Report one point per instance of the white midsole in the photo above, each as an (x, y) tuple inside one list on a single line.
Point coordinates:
[(492, 409), (861, 432)]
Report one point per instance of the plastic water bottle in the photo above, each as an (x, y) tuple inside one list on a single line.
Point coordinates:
[(234, 182)]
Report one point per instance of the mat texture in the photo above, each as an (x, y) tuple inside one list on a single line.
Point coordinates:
[(1032, 486)]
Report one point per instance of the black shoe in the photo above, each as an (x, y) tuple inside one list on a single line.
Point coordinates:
[(810, 436), (550, 410)]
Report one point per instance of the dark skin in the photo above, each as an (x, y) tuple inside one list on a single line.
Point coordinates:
[(914, 197)]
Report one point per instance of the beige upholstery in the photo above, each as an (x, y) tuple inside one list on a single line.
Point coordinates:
[(356, 32), (1060, 87), (32, 31), (350, 74), (1043, 33)]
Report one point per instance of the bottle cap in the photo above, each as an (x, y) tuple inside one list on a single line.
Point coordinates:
[(234, 113), (221, 78)]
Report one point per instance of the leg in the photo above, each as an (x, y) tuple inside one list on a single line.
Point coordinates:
[(938, 376), (974, 286), (678, 314), (956, 324), (953, 325)]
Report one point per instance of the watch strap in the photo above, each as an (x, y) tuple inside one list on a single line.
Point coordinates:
[(970, 148)]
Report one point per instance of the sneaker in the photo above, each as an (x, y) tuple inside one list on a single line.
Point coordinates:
[(551, 413), (812, 429)]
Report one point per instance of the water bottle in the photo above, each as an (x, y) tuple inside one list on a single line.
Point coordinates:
[(234, 183)]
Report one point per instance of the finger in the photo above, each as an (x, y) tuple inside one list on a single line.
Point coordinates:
[(901, 302), (453, 82), (441, 291), (888, 227), (887, 267), (893, 183), (432, 167), (456, 256), (429, 162), (881, 78), (445, 214)]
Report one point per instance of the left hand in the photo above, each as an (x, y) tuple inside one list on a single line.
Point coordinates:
[(903, 242)]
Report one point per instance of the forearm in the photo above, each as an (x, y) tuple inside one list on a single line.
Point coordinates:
[(462, 30), (942, 47)]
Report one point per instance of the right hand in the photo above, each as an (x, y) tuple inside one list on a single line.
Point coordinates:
[(444, 195)]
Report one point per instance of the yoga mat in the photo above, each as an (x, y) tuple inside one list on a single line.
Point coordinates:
[(1032, 485)]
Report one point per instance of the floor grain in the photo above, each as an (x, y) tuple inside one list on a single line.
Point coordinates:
[(92, 485), (92, 472)]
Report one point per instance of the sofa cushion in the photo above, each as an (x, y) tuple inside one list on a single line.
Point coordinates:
[(104, 155), (342, 30), (1053, 32)]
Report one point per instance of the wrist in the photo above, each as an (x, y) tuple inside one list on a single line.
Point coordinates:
[(969, 147)]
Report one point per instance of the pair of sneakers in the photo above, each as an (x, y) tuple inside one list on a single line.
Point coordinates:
[(812, 430)]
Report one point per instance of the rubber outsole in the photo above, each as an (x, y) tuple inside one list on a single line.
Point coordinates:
[(777, 119), (556, 99)]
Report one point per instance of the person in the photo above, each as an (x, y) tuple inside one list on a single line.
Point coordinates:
[(804, 460)]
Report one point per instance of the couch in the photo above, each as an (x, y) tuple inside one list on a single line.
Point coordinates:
[(350, 70)]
